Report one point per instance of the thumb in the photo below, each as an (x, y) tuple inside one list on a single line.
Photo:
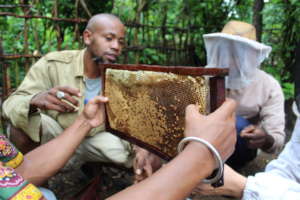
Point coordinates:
[(226, 110), (99, 99), (148, 169), (192, 112), (139, 163)]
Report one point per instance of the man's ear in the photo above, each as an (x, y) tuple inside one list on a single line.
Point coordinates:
[(87, 37)]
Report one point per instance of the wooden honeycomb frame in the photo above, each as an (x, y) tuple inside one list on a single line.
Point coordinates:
[(217, 96)]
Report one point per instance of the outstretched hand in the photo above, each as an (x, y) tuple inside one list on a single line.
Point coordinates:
[(93, 111), (218, 128)]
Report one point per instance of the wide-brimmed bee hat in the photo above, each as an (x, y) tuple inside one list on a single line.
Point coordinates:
[(236, 48)]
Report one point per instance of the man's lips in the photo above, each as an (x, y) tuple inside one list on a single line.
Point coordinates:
[(111, 57)]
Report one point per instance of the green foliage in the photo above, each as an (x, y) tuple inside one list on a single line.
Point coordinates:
[(288, 90), (287, 87), (42, 33), (281, 31), (176, 24)]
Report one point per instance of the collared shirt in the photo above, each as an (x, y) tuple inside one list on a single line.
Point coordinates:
[(263, 99), (281, 179), (63, 68)]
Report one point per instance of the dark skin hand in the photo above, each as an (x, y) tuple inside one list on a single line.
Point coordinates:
[(257, 137), (144, 164), (48, 101)]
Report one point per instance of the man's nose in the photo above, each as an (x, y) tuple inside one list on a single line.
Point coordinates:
[(116, 45)]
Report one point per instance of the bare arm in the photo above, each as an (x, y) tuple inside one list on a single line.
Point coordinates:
[(273, 116), (46, 160), (234, 185), (16, 107), (177, 179)]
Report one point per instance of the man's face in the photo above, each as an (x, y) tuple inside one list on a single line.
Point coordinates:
[(106, 41)]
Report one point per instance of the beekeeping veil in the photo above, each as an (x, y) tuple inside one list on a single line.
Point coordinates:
[(236, 48)]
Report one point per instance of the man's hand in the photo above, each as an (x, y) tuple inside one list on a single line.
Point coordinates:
[(256, 137), (144, 163), (93, 111), (218, 128), (49, 101)]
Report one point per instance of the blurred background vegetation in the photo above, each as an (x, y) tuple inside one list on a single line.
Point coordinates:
[(164, 32)]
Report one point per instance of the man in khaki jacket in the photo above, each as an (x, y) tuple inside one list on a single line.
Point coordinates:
[(56, 88)]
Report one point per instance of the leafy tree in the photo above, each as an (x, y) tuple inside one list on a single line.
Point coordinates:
[(165, 32)]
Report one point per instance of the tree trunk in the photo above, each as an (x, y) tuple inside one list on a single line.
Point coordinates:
[(296, 73), (26, 28), (58, 29), (140, 5), (258, 18)]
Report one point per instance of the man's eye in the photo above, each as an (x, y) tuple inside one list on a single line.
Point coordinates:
[(122, 42), (108, 38)]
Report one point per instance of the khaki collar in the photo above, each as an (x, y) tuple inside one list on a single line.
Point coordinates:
[(79, 64)]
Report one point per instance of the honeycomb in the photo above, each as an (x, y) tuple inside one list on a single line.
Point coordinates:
[(150, 106)]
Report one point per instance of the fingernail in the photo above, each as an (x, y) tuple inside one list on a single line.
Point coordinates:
[(138, 171)]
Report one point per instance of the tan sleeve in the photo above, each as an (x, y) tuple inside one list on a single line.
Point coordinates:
[(16, 107), (273, 117)]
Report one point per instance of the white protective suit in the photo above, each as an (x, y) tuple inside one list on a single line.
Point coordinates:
[(281, 179)]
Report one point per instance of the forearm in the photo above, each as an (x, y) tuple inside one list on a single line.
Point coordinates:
[(274, 140), (46, 160), (234, 185), (268, 143), (16, 108), (176, 179), (273, 119)]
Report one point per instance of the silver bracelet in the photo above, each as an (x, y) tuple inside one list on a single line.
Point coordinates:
[(218, 159)]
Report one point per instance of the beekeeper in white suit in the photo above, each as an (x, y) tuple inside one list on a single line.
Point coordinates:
[(260, 112)]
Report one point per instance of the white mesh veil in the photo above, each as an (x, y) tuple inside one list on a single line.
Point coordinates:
[(241, 55)]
